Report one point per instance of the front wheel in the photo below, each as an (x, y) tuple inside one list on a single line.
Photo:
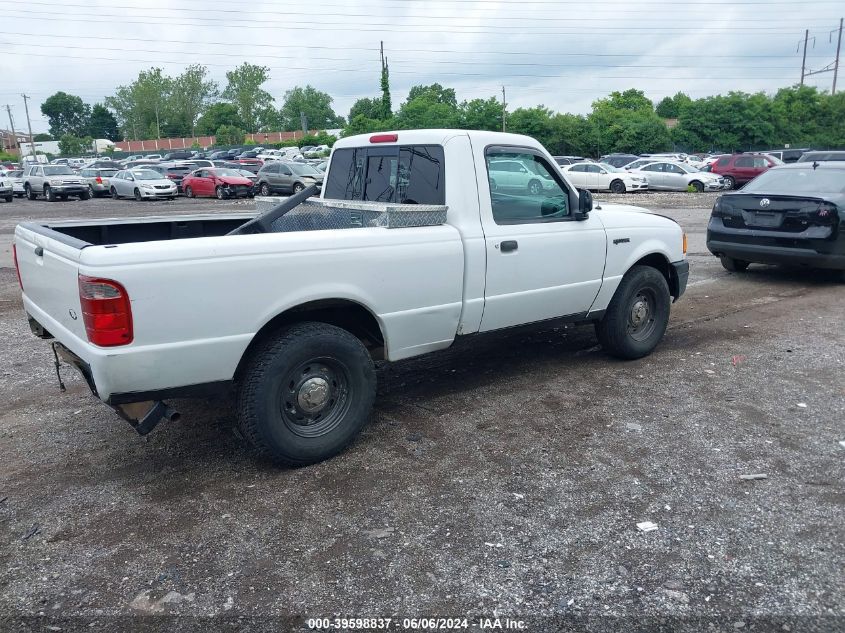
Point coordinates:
[(535, 188), (137, 194), (298, 187), (697, 186), (637, 316), (730, 182), (733, 265), (49, 194), (306, 393), (220, 192), (114, 194), (189, 193), (617, 186)]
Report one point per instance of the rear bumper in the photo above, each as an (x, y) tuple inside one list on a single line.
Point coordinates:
[(778, 255)]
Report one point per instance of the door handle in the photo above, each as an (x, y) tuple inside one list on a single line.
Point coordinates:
[(508, 246)]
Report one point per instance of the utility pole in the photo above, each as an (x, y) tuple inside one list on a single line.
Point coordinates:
[(29, 124), (504, 111), (12, 125), (804, 61), (838, 49)]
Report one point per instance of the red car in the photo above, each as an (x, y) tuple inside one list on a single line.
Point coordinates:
[(220, 182), (738, 169)]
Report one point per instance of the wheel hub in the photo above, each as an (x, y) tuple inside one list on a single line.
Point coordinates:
[(313, 395), (639, 312)]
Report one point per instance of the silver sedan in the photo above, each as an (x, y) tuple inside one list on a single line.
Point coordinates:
[(141, 184)]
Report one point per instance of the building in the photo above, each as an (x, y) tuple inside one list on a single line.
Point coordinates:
[(9, 144)]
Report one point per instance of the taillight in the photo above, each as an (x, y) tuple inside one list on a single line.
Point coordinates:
[(384, 138), (17, 268), (99, 180), (106, 311)]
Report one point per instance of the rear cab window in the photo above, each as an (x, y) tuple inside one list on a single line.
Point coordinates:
[(405, 174)]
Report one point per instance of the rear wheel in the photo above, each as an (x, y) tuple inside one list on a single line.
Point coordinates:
[(85, 195), (29, 192), (91, 192), (617, 186), (49, 194), (9, 198), (733, 265), (306, 393), (535, 188), (730, 182), (698, 187), (637, 316)]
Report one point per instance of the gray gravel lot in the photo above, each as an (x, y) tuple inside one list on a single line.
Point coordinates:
[(502, 477)]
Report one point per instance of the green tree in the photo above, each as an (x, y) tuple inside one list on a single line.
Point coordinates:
[(245, 91), (366, 107), (435, 93), (229, 135), (362, 125), (143, 108), (314, 104), (40, 138), (102, 124), (670, 107), (70, 145), (481, 114), (535, 122), (67, 114), (429, 107), (218, 114), (618, 121), (386, 103), (192, 90)]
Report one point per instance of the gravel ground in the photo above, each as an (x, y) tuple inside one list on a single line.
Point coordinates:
[(501, 478)]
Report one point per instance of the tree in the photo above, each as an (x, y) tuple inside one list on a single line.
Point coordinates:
[(429, 107), (143, 107), (67, 114), (386, 104), (218, 114), (366, 107), (619, 121), (670, 107), (42, 137), (435, 93), (481, 114), (229, 135), (191, 92), (102, 124), (534, 122), (245, 91), (70, 145), (314, 104)]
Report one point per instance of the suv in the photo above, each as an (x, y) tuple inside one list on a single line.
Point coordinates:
[(54, 181), (738, 169), (286, 177), (180, 155)]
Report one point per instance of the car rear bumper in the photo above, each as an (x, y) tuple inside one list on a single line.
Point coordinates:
[(782, 255)]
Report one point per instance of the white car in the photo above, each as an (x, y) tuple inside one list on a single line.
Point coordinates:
[(674, 176), (604, 177), (16, 176), (141, 184), (515, 176), (294, 319)]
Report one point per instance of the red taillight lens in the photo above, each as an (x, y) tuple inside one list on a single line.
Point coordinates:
[(384, 138), (106, 311), (99, 180), (17, 268)]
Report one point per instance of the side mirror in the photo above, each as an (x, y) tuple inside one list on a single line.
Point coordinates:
[(585, 205)]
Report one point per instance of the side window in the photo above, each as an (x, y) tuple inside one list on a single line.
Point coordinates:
[(674, 169), (723, 162), (538, 195), (285, 170), (760, 162), (581, 167), (744, 161), (654, 167), (593, 169), (86, 173)]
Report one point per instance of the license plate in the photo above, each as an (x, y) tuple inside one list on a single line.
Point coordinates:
[(105, 181), (762, 219)]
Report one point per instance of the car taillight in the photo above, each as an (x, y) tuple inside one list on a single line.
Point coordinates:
[(106, 311), (99, 180), (17, 268)]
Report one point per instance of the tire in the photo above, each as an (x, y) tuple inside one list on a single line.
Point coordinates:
[(272, 402), (535, 188), (9, 198), (617, 186), (636, 319), (189, 193), (731, 182), (85, 195), (29, 192), (733, 265), (48, 193), (298, 187), (137, 194), (265, 189), (220, 193), (114, 194), (698, 186), (91, 192)]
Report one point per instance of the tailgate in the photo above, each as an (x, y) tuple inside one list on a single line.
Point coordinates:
[(49, 263)]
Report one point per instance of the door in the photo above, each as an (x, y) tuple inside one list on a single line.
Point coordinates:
[(203, 184), (120, 184), (578, 176), (744, 169), (594, 178), (674, 177), (283, 180), (654, 173), (541, 262)]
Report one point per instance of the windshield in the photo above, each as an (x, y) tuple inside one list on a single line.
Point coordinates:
[(15, 174), (146, 174), (107, 172), (231, 173), (58, 170), (304, 170), (246, 174), (798, 181)]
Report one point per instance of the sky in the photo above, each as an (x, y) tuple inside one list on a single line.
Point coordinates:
[(563, 54)]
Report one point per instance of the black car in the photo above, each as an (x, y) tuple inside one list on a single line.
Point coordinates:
[(822, 157), (234, 153), (179, 155), (219, 154), (618, 160), (568, 160), (250, 154), (791, 215)]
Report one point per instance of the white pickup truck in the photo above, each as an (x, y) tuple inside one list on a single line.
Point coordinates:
[(412, 243)]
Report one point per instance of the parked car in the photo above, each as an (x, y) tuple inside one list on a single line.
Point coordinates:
[(618, 160), (253, 178), (104, 164), (54, 182), (248, 154), (234, 153), (198, 163), (282, 177), (178, 155), (738, 169), (7, 191), (174, 172), (514, 175), (604, 177), (219, 154), (153, 157), (821, 156), (16, 176), (132, 157), (141, 184), (295, 319), (788, 155), (792, 214), (569, 160), (98, 180), (220, 182), (674, 176)]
